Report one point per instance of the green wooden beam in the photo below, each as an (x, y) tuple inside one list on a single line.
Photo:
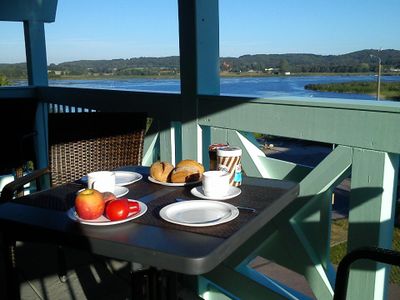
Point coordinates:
[(189, 72), (151, 147), (36, 60), (17, 92), (167, 141), (207, 33), (257, 164), (199, 63), (243, 286), (28, 10), (366, 125), (156, 105), (371, 218)]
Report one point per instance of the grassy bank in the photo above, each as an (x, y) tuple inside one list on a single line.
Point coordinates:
[(389, 90), (339, 246)]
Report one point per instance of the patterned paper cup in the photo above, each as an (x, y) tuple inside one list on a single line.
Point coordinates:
[(229, 160)]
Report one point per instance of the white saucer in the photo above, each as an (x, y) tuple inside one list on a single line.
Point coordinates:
[(232, 193), (199, 213), (102, 220), (124, 178), (119, 191)]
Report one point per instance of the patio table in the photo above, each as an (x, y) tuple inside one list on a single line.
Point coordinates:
[(148, 240)]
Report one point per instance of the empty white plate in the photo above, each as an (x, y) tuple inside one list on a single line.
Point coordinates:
[(199, 213), (232, 192), (102, 220), (125, 178)]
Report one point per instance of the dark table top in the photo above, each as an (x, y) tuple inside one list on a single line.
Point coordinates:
[(148, 240)]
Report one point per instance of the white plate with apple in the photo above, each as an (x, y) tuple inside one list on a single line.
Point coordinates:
[(103, 220), (119, 191)]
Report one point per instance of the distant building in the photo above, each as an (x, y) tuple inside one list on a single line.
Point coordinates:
[(269, 70), (55, 72)]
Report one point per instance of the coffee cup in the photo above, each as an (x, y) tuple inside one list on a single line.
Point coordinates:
[(215, 183), (103, 181), (229, 160)]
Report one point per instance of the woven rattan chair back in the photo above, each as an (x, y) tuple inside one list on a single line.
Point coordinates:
[(81, 143)]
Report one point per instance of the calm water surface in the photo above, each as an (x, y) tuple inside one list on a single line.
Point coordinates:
[(249, 86)]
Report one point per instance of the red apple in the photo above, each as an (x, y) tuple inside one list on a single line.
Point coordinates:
[(89, 204)]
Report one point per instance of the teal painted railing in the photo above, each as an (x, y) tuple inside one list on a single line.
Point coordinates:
[(367, 148)]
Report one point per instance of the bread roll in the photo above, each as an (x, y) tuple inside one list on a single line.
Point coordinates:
[(185, 174), (191, 163), (161, 171)]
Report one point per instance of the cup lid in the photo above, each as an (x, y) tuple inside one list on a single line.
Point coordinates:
[(214, 147), (229, 151)]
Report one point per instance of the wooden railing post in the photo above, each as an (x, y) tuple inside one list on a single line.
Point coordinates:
[(37, 76), (199, 59), (373, 188)]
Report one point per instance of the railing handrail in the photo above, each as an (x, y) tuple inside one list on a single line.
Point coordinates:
[(363, 124)]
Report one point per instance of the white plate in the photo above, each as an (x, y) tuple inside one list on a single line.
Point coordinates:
[(232, 192), (124, 178), (199, 213), (103, 221), (172, 183), (121, 178), (119, 191)]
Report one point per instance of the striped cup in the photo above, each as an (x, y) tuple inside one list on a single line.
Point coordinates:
[(229, 160)]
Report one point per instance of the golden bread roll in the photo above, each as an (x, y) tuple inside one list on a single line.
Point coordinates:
[(185, 174), (161, 170), (191, 163)]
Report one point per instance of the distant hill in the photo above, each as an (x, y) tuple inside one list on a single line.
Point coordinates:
[(359, 61)]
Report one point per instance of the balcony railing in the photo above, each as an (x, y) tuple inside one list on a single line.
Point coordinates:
[(366, 148)]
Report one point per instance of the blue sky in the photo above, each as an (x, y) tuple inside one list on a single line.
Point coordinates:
[(93, 29)]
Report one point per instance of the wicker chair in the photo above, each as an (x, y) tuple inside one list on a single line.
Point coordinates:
[(80, 143)]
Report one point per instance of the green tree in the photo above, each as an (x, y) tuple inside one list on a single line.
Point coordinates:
[(4, 80), (284, 66), (364, 67)]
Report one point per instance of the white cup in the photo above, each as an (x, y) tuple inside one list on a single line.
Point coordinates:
[(215, 183), (103, 181)]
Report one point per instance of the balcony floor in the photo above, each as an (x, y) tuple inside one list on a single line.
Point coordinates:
[(89, 276)]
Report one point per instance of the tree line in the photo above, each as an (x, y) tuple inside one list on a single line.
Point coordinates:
[(354, 62)]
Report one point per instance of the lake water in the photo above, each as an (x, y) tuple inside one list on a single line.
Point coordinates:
[(249, 86)]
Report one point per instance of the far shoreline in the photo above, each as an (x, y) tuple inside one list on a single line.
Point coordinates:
[(222, 75)]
